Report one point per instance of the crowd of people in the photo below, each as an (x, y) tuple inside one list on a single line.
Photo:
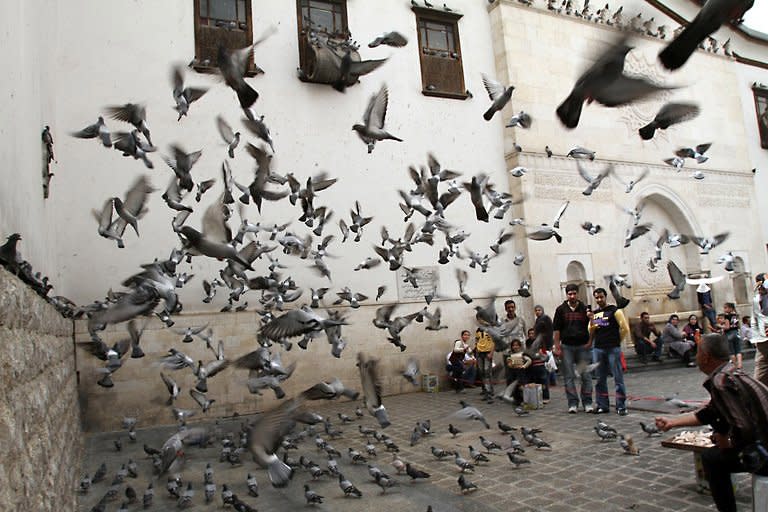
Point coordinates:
[(587, 341), (585, 346)]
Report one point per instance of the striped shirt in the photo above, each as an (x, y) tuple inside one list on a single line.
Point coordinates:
[(738, 408)]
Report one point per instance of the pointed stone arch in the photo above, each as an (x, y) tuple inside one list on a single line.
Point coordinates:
[(664, 208)]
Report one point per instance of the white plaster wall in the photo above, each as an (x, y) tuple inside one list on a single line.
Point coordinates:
[(27, 103), (122, 52)]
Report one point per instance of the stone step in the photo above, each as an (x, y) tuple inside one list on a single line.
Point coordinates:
[(635, 366)]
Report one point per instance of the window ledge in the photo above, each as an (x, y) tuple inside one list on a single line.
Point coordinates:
[(445, 94), (214, 70)]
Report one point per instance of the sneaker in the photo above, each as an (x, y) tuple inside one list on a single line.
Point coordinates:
[(545, 401), (589, 409), (621, 412), (572, 410), (691, 365), (600, 410)]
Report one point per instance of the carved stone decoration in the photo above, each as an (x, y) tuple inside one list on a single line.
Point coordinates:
[(322, 64), (639, 113), (568, 187), (427, 279), (726, 196)]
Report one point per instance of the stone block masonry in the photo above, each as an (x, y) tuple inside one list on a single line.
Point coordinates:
[(40, 436)]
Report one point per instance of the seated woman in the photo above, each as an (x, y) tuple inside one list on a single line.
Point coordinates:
[(692, 331), (461, 367), (672, 337)]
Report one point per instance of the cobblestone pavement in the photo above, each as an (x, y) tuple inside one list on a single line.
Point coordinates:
[(579, 473)]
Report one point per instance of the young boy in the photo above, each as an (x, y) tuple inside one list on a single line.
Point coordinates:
[(516, 364), (731, 332)]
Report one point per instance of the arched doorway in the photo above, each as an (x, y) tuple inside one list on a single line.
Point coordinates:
[(663, 209), (576, 273)]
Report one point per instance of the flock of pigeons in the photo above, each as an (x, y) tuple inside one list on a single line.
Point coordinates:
[(434, 190)]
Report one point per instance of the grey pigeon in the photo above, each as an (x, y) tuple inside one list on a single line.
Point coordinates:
[(411, 371), (231, 138), (372, 129), (499, 95), (351, 70), (465, 485), (265, 436), (467, 412), (696, 153), (606, 83), (706, 244), (98, 129), (133, 113), (593, 181), (395, 39), (678, 280), (184, 96), (712, 14), (370, 380), (669, 114)]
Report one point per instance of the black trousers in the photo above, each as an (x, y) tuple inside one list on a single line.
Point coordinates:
[(718, 466)]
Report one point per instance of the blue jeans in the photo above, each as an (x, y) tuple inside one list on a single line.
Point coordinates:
[(610, 362), (572, 355)]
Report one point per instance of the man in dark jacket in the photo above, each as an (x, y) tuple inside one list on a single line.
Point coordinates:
[(571, 339), (738, 413)]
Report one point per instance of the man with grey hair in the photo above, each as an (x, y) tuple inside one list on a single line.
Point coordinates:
[(738, 413)]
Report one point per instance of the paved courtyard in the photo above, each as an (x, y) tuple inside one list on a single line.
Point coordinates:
[(579, 473)]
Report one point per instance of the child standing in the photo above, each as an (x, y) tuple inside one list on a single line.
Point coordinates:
[(516, 364), (731, 331)]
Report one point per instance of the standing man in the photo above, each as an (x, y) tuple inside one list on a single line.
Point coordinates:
[(543, 328), (759, 325), (704, 296), (571, 337), (484, 354), (607, 327), (644, 345), (514, 325), (738, 413)]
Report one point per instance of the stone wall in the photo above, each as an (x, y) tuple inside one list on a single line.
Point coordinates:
[(139, 390), (40, 434)]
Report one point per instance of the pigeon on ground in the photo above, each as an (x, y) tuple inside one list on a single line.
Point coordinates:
[(372, 129), (415, 473), (517, 459), (651, 429), (348, 488), (465, 485)]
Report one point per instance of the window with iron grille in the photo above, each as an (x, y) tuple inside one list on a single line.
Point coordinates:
[(442, 73), (761, 107), (221, 22)]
